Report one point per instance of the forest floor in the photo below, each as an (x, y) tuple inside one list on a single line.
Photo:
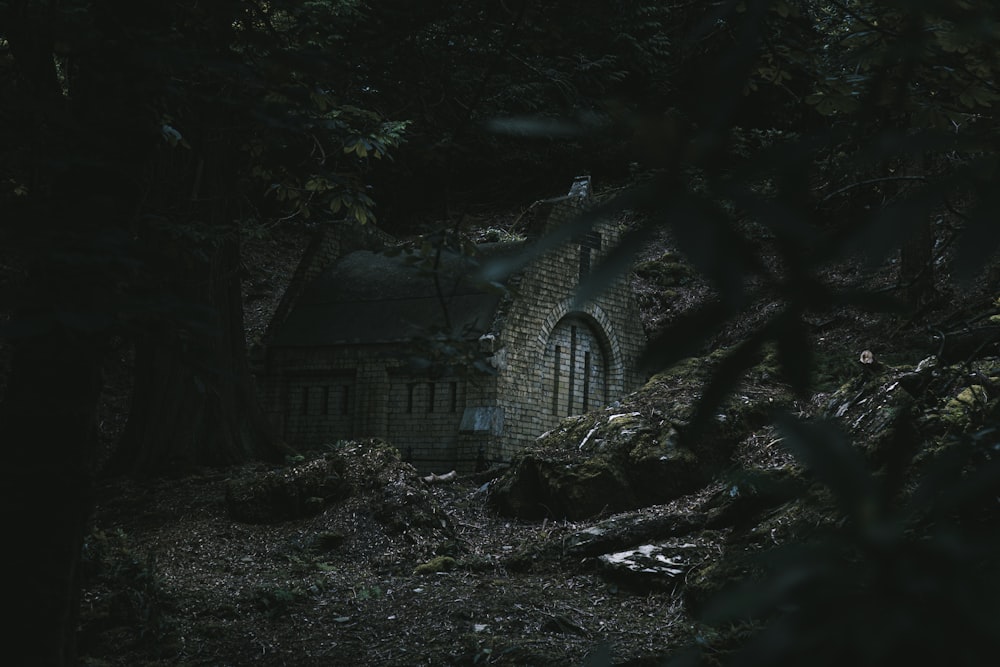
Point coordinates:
[(173, 579), (341, 588)]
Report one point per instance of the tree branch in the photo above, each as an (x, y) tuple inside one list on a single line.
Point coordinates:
[(870, 182)]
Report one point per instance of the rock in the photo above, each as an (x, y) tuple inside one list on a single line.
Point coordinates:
[(640, 452), (706, 580), (398, 499), (890, 413), (287, 493), (537, 487), (750, 494), (659, 470), (405, 504), (618, 459)]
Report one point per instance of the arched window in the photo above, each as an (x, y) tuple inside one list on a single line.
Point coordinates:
[(574, 372)]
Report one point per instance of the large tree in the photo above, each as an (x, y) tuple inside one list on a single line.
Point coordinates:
[(136, 141), (253, 129), (75, 134)]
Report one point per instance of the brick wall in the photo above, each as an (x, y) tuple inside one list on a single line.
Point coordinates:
[(597, 343), (423, 419), (317, 396)]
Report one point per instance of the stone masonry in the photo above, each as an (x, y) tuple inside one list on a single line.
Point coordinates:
[(334, 363)]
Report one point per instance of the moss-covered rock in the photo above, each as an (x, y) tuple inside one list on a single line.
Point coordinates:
[(436, 564), (631, 456), (537, 487), (287, 493), (916, 411)]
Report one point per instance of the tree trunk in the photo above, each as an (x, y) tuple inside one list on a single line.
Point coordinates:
[(49, 421), (57, 333), (83, 144), (194, 402)]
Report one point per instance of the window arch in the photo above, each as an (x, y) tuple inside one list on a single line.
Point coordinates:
[(574, 367)]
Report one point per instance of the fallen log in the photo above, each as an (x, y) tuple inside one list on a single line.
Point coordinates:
[(624, 532), (438, 479)]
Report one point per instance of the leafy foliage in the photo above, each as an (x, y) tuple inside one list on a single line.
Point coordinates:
[(912, 581), (832, 132), (454, 68), (169, 126), (817, 179), (823, 129)]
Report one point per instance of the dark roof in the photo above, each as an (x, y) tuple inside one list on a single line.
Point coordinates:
[(369, 297)]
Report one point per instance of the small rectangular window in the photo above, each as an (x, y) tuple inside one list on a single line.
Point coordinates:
[(453, 389), (410, 388), (589, 243), (430, 397), (345, 400), (592, 240), (326, 400)]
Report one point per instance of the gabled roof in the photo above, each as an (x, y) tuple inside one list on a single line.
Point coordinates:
[(369, 297)]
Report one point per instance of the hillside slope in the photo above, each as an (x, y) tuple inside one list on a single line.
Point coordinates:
[(611, 538)]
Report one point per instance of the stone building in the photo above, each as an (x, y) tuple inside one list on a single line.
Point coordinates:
[(369, 343)]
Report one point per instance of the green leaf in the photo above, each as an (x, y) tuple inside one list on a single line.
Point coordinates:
[(792, 567)]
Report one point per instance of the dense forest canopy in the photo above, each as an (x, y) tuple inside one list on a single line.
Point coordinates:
[(139, 143)]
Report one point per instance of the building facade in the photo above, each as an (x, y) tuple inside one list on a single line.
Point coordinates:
[(427, 353)]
